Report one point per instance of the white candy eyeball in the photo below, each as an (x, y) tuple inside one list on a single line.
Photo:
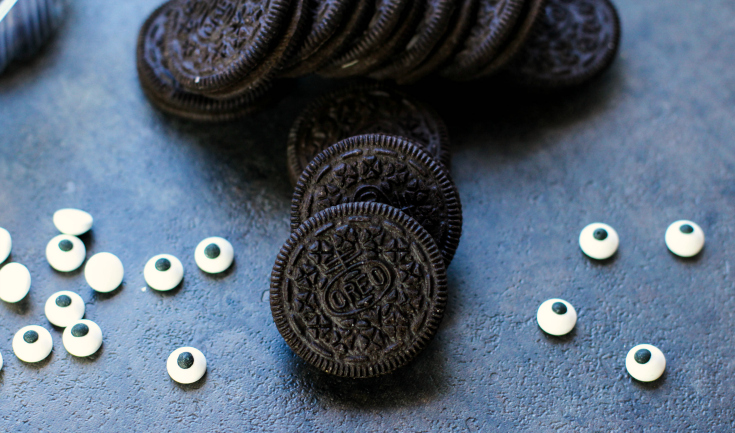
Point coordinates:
[(645, 363), (186, 365), (32, 344), (1, 361), (599, 241), (104, 272), (82, 338), (163, 272), (15, 282), (65, 253), (6, 244), (64, 308), (73, 222), (684, 238), (556, 317), (214, 255)]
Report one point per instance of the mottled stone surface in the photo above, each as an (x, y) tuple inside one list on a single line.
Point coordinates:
[(652, 142)]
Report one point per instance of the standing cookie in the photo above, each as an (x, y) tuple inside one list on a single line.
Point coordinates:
[(573, 42), (364, 110), (495, 21), (358, 290), (382, 169)]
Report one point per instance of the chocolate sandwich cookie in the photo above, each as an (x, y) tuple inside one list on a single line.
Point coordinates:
[(573, 42), (382, 169), (358, 290), (434, 23), (355, 24), (167, 94), (326, 17), (494, 23), (386, 18), (213, 45), (462, 20), (365, 109), (531, 13)]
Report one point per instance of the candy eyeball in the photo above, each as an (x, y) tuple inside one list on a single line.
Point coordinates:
[(6, 244), (599, 241), (104, 272), (73, 222), (32, 344), (15, 282), (645, 363), (1, 361), (65, 253), (82, 338), (556, 317), (186, 365), (64, 308), (214, 255), (684, 238), (163, 272)]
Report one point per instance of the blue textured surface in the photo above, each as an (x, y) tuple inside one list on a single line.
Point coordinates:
[(650, 143)]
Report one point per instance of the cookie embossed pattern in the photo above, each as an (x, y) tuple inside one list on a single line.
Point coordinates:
[(358, 290)]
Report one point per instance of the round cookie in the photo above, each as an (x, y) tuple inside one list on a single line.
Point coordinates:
[(382, 169), (572, 43), (104, 272), (168, 95), (364, 109), (495, 20), (358, 290), (462, 20), (356, 22), (434, 23), (386, 18), (530, 13), (326, 18), (212, 46)]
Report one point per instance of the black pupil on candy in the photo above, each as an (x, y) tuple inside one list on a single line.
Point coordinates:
[(559, 308), (66, 245), (30, 337), (642, 356), (185, 360), (686, 229), (63, 301), (163, 265), (212, 251), (600, 234), (79, 330)]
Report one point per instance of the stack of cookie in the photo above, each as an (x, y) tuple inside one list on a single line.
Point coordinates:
[(359, 288), (216, 59)]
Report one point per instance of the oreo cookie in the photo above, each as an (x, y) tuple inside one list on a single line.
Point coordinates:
[(386, 18), (326, 17), (212, 46), (167, 94), (573, 42), (494, 24), (434, 23), (382, 169), (358, 290), (359, 110), (462, 20), (531, 12)]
